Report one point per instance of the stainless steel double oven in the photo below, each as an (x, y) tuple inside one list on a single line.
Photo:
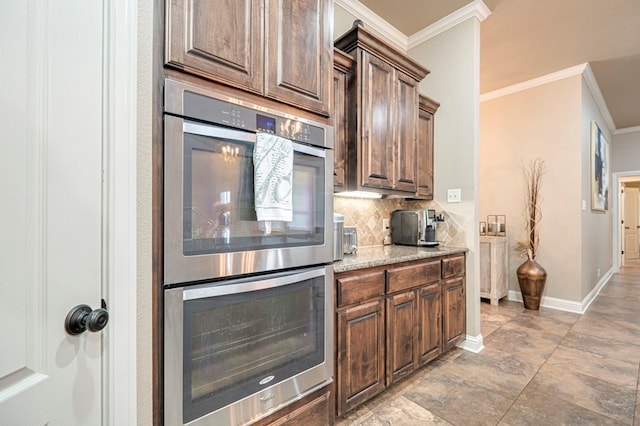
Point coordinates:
[(247, 317)]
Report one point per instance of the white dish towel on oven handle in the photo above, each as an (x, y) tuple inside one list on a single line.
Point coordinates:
[(273, 179)]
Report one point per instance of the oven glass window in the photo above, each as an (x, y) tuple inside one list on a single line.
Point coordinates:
[(219, 211), (237, 345)]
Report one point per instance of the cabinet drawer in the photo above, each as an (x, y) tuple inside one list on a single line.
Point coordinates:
[(410, 276), (357, 288), (453, 266)]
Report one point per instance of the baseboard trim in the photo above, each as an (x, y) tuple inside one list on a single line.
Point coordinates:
[(473, 344), (568, 305)]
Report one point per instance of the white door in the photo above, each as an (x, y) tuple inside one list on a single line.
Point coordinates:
[(51, 213), (631, 223)]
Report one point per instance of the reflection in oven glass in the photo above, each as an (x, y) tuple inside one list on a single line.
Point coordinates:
[(246, 341), (219, 208)]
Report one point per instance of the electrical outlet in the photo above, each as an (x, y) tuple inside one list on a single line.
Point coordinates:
[(385, 225), (454, 195)]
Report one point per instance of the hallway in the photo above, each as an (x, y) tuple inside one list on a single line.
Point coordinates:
[(538, 367)]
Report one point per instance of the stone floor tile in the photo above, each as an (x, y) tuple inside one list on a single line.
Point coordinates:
[(617, 402), (458, 401), (402, 411), (618, 372), (499, 371), (534, 409)]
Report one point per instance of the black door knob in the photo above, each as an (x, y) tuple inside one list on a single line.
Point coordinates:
[(82, 318)]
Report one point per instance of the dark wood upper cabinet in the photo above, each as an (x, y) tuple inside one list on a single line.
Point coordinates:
[(219, 40), (299, 53), (276, 48), (342, 64), (406, 163), (376, 112), (382, 132), (425, 152)]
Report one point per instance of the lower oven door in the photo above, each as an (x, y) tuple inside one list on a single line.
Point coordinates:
[(237, 350)]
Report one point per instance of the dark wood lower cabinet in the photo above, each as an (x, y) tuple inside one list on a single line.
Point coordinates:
[(401, 335), (454, 311), (429, 323), (360, 354), (384, 333)]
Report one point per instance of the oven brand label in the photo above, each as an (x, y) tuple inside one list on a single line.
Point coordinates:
[(266, 380)]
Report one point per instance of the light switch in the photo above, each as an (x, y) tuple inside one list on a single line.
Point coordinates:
[(454, 195), (584, 204)]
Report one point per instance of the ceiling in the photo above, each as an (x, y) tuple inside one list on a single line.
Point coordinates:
[(525, 39)]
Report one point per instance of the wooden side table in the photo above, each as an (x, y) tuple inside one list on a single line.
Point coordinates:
[(494, 261)]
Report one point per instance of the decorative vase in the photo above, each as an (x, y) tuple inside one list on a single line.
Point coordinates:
[(532, 278)]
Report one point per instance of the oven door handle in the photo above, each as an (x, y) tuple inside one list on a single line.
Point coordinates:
[(223, 133), (245, 285)]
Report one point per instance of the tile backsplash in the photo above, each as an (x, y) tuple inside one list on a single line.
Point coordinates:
[(367, 215)]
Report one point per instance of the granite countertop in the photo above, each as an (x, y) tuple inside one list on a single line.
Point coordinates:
[(368, 257)]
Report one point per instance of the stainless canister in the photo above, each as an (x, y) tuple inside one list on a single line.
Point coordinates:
[(338, 226)]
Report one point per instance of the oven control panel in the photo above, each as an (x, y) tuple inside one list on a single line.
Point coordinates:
[(256, 119)]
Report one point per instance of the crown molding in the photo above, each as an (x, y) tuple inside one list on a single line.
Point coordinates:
[(374, 22), (583, 69), (627, 130), (476, 9), (529, 84)]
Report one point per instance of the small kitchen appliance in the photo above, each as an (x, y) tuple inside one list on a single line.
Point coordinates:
[(350, 240), (415, 227)]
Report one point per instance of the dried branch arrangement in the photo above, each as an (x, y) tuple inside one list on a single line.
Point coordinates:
[(532, 180)]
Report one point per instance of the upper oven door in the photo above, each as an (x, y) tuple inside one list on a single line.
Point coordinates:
[(210, 226)]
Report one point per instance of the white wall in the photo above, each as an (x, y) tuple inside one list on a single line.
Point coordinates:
[(597, 226), (625, 152), (342, 21), (543, 121), (453, 57)]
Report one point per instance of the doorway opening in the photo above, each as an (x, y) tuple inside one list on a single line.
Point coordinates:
[(626, 218)]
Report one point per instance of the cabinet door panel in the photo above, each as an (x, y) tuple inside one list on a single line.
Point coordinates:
[(377, 122), (360, 351), (217, 39), (426, 111), (299, 52), (339, 128), (406, 135), (454, 311), (429, 323), (401, 335), (425, 156)]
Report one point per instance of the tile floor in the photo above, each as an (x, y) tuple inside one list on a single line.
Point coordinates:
[(543, 367)]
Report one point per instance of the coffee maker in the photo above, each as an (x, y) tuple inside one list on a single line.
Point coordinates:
[(414, 227)]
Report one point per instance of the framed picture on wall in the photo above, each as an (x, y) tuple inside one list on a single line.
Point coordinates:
[(600, 169)]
